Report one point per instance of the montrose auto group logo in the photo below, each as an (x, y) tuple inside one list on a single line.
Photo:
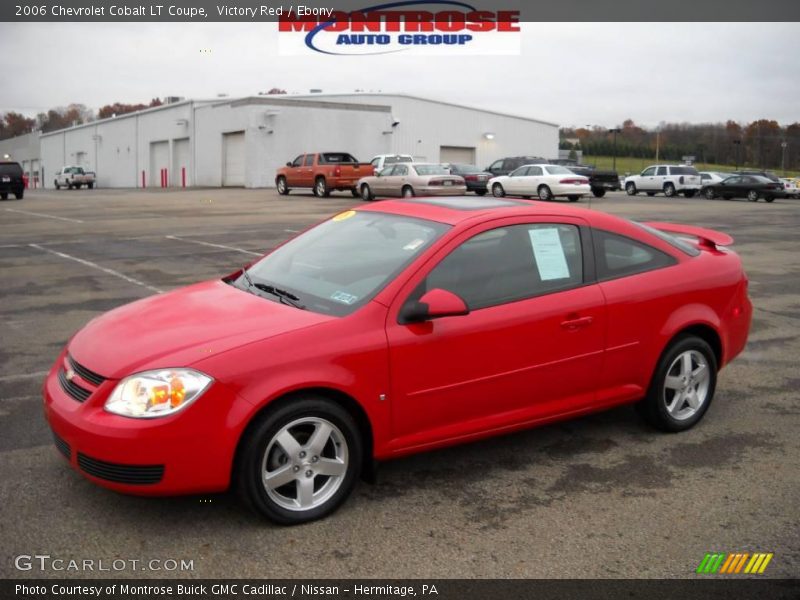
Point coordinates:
[(439, 27)]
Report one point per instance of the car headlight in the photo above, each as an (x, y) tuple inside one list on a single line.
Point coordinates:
[(159, 393)]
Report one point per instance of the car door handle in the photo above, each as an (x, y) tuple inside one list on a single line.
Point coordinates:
[(572, 324)]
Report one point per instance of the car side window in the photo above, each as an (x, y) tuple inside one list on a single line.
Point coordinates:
[(519, 172), (297, 161), (400, 170), (386, 171), (649, 171), (620, 256), (509, 264), (309, 160), (534, 170), (375, 162), (496, 165), (661, 171)]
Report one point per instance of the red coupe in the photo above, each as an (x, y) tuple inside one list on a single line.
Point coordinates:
[(396, 328)]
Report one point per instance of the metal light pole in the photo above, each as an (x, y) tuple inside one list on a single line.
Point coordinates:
[(615, 131), (783, 157)]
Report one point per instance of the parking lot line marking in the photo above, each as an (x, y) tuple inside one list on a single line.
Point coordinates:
[(180, 239), (89, 263), (292, 230), (35, 214), (23, 376), (17, 398)]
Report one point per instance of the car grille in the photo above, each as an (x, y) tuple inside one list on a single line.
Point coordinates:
[(62, 446), (130, 474), (71, 388), (85, 373)]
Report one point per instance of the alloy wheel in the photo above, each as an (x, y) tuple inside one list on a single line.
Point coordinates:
[(686, 385)]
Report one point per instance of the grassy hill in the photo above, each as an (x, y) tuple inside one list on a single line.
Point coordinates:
[(627, 164)]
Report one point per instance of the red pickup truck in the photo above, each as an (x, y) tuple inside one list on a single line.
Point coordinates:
[(323, 172)]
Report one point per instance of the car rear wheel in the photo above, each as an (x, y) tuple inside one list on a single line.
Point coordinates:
[(573, 198), (598, 192), (669, 190), (544, 193), (366, 193), (683, 385), (19, 195), (283, 188), (710, 194), (299, 462), (630, 189), (498, 191), (752, 195), (408, 192), (321, 188)]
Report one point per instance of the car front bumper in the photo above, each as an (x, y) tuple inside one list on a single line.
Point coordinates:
[(189, 452)]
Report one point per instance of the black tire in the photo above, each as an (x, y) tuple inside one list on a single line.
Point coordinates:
[(480, 192), (630, 189), (669, 190), (498, 191), (573, 198), (654, 406), (4, 196), (407, 192), (366, 193), (689, 193), (19, 195), (651, 194), (354, 193), (709, 193), (55, 183), (752, 196), (280, 185), (599, 192), (90, 185), (544, 193), (321, 189), (769, 198), (252, 459)]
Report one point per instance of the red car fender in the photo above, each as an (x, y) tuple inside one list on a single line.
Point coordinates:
[(686, 316)]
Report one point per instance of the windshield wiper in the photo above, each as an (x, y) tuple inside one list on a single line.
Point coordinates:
[(286, 297)]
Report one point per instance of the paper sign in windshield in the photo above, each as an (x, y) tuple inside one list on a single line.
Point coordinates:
[(344, 297), (549, 253)]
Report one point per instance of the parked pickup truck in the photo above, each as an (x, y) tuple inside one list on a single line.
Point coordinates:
[(600, 181), (323, 173), (73, 177)]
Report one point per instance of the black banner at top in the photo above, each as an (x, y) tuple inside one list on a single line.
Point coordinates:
[(275, 10)]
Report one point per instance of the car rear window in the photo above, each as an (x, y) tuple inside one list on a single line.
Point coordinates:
[(10, 169), (558, 170), (684, 171), (674, 241), (390, 160), (431, 170), (466, 168), (337, 158)]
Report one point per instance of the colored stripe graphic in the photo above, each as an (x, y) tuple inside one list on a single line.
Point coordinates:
[(734, 562)]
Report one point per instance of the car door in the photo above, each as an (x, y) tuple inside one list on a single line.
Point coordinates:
[(647, 179), (530, 347), (293, 172), (530, 182), (514, 183), (379, 185), (660, 178), (306, 171), (399, 178), (496, 168)]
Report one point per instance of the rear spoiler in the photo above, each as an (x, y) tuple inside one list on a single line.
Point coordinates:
[(705, 237)]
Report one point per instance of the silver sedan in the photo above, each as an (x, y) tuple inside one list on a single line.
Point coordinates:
[(411, 179)]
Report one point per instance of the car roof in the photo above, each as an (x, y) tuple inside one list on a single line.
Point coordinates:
[(453, 210)]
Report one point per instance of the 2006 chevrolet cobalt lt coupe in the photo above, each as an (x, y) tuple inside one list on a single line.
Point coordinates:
[(401, 327)]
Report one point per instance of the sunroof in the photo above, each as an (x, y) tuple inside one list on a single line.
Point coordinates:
[(467, 202)]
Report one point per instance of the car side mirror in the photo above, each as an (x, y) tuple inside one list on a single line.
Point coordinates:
[(434, 304), (289, 164)]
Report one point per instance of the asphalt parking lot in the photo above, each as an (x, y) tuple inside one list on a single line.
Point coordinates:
[(601, 496)]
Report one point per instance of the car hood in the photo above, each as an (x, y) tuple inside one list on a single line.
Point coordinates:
[(182, 327)]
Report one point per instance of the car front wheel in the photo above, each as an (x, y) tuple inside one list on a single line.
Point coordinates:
[(710, 194), (283, 188), (683, 385), (366, 193), (752, 195), (498, 191), (545, 193), (630, 189), (300, 461)]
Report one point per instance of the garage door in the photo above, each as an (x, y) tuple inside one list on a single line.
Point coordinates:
[(233, 159), (180, 163), (457, 154), (159, 159)]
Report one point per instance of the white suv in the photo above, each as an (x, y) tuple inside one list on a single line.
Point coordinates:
[(669, 179)]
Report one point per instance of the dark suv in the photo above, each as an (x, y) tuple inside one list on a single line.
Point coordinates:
[(11, 180), (504, 166)]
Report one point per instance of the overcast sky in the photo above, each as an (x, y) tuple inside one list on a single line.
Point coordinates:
[(569, 73)]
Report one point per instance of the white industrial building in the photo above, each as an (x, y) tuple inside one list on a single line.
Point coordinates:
[(241, 142)]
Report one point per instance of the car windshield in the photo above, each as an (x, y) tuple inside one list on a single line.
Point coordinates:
[(390, 160), (431, 170), (343, 262), (558, 170), (684, 171)]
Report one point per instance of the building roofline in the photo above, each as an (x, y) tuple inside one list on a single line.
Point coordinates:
[(281, 101), (431, 100)]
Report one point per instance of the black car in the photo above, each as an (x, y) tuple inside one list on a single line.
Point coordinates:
[(771, 176), (504, 166), (751, 187), (11, 181), (475, 177)]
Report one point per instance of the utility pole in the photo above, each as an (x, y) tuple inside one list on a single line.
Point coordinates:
[(658, 140)]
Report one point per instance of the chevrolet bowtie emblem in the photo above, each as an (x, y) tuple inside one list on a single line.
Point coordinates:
[(69, 374)]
